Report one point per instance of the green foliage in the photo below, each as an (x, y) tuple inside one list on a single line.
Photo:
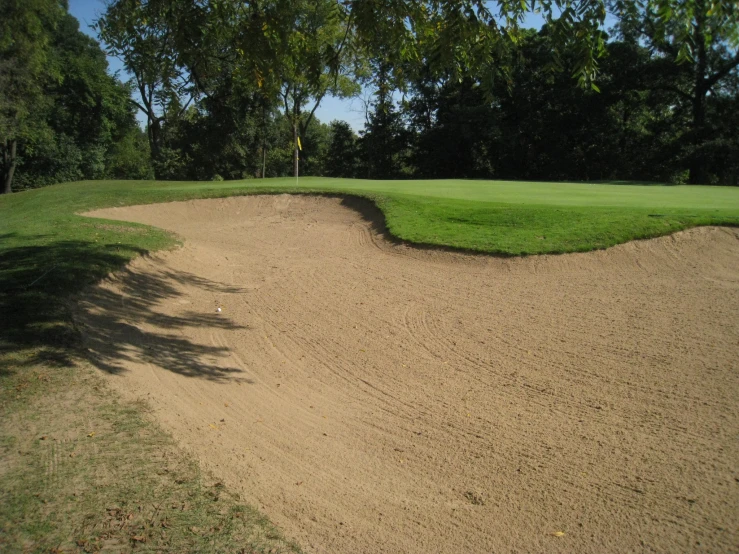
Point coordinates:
[(639, 126), (454, 129), (695, 46), (342, 156), (316, 61), (385, 141), (61, 109), (315, 143), (129, 157), (138, 33), (26, 67)]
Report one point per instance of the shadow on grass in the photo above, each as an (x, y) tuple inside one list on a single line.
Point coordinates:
[(40, 279), (126, 323), (36, 277)]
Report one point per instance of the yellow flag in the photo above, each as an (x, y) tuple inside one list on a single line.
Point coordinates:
[(300, 146)]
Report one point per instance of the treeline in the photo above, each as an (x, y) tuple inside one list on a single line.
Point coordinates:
[(537, 125), (226, 94), (647, 118), (62, 116)]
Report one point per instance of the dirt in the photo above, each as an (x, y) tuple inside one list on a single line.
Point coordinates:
[(372, 397)]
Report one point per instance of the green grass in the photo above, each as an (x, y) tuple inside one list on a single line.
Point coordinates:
[(48, 254)]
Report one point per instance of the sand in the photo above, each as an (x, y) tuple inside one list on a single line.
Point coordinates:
[(373, 397)]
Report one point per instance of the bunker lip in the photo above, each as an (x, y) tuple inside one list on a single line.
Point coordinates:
[(372, 397)]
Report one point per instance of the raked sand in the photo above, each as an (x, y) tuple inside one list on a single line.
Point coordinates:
[(372, 397)]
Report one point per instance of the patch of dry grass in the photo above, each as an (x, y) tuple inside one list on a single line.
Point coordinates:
[(82, 471)]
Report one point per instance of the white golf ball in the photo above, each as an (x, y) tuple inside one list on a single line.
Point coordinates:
[(218, 310)]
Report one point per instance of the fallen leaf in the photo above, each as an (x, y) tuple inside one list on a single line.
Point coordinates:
[(558, 534), (214, 427), (225, 404), (91, 434), (43, 438)]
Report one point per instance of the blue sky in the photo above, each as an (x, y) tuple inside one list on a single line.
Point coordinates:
[(351, 110)]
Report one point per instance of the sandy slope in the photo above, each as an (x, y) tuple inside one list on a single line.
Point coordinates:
[(371, 397)]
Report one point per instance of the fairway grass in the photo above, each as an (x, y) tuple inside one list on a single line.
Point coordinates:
[(49, 253)]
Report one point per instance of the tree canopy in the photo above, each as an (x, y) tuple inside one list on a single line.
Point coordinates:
[(459, 88), (62, 116)]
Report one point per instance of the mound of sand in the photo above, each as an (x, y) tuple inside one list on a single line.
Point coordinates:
[(371, 397)]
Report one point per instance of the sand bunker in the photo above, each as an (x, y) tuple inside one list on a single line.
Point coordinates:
[(371, 397)]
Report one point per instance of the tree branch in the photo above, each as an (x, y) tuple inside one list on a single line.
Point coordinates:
[(184, 108), (284, 98), (723, 72), (315, 107), (139, 106)]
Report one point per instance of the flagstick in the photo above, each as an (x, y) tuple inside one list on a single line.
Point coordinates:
[(296, 145), (298, 148)]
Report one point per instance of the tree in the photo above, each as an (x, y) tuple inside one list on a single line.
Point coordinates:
[(61, 113), (695, 49), (452, 124), (89, 106), (385, 140), (316, 63), (26, 28), (129, 157), (342, 158), (303, 50), (139, 34), (82, 114)]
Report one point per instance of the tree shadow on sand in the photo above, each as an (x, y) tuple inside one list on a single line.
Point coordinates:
[(40, 278), (124, 324)]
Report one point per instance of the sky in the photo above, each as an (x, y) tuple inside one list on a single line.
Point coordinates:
[(350, 110)]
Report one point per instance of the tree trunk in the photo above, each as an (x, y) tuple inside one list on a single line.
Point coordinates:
[(154, 133), (9, 163), (698, 173)]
